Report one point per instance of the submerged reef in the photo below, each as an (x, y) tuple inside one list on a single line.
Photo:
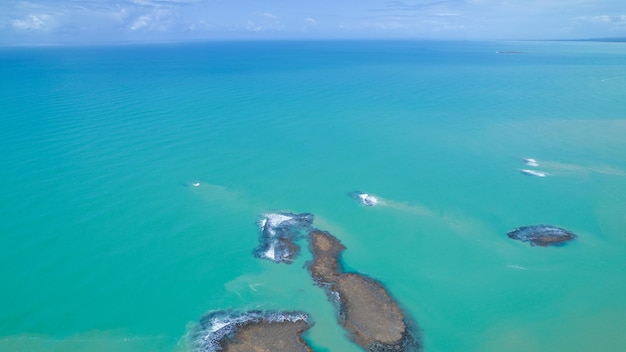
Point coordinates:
[(279, 233), (366, 310), (542, 235), (271, 331)]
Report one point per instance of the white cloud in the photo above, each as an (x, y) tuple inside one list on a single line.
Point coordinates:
[(87, 20), (251, 26), (163, 3), (605, 19), (385, 25), (33, 22), (141, 22), (265, 22), (158, 19)]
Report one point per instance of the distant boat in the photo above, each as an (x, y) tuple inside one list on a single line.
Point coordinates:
[(533, 173), (196, 184)]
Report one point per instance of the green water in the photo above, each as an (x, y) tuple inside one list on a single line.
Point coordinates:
[(106, 245)]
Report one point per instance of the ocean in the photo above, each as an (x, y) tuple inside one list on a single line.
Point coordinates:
[(133, 177)]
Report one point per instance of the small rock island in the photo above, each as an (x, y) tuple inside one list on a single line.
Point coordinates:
[(252, 331), (366, 310), (542, 235)]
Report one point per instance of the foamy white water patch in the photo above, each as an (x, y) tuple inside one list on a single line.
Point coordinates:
[(529, 172), (273, 220), (271, 253), (366, 199), (532, 172), (531, 162)]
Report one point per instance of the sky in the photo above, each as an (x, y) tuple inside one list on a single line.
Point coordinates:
[(123, 21)]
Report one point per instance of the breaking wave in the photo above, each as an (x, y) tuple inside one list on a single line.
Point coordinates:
[(364, 198), (279, 233)]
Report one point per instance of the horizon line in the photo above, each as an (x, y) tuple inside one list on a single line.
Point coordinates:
[(293, 39)]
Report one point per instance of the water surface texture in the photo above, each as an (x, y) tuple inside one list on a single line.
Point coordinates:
[(132, 179)]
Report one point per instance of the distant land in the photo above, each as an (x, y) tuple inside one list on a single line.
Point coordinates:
[(598, 40), (609, 40)]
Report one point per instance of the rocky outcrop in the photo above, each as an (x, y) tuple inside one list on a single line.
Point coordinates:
[(366, 310), (372, 318), (252, 331), (542, 235)]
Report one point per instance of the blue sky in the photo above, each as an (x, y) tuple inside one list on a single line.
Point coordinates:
[(105, 21)]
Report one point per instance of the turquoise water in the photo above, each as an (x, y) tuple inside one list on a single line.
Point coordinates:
[(106, 245)]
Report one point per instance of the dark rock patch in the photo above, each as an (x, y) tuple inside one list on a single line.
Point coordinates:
[(542, 235)]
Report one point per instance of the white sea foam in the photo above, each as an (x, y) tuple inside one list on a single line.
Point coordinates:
[(533, 173), (334, 297), (218, 324), (275, 219), (368, 199), (531, 162), (270, 254)]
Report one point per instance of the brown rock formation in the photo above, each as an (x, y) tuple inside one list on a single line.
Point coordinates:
[(542, 235), (252, 331), (366, 310), (268, 337)]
